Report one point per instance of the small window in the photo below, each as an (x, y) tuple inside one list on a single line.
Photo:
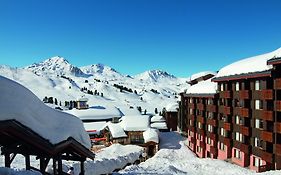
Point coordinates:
[(237, 86), (259, 123), (237, 154), (258, 104), (257, 85), (209, 141), (210, 128), (222, 88), (221, 146), (258, 142), (222, 132), (239, 136), (257, 162)]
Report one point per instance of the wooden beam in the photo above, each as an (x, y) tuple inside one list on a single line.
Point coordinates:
[(43, 164), (54, 166), (7, 160), (60, 165), (27, 162), (82, 167)]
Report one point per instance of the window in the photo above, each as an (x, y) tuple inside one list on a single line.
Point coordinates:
[(221, 146), (223, 132), (257, 85), (258, 142), (209, 140), (257, 162), (239, 136), (237, 153), (210, 115), (137, 139), (221, 87), (190, 122), (259, 123), (199, 125), (237, 86), (209, 101), (190, 111), (238, 120), (210, 128), (258, 104), (198, 149), (190, 100)]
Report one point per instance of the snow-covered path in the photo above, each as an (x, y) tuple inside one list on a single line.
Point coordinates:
[(175, 158)]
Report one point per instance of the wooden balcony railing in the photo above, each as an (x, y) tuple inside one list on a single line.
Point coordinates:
[(212, 122), (277, 127), (191, 105), (201, 119), (266, 94), (245, 130), (243, 94), (224, 110), (278, 105), (277, 149), (201, 106), (243, 112), (211, 108), (227, 126), (263, 114), (267, 136), (225, 94), (277, 83)]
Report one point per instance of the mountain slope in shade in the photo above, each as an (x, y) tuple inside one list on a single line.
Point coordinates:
[(154, 76), (56, 65)]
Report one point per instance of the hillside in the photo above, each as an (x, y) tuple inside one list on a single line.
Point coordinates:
[(57, 78)]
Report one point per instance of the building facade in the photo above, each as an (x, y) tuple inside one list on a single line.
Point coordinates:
[(241, 121)]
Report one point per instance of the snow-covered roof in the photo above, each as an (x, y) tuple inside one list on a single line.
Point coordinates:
[(20, 104), (83, 99), (116, 130), (96, 113), (201, 74), (159, 125), (94, 127), (135, 122), (203, 87), (249, 65), (172, 107), (157, 118), (151, 135)]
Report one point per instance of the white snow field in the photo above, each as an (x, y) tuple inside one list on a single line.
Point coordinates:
[(175, 158)]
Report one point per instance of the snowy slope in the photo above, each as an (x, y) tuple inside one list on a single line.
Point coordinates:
[(56, 77)]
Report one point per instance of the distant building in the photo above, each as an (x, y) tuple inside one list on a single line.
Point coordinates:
[(171, 116), (82, 103)]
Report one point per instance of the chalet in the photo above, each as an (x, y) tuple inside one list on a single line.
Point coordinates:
[(134, 130), (171, 116), (82, 103), (30, 128), (159, 122), (242, 115)]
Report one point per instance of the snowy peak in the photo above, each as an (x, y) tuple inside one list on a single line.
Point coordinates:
[(155, 75), (99, 70), (55, 65)]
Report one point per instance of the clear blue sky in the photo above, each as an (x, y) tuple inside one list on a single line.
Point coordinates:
[(179, 36)]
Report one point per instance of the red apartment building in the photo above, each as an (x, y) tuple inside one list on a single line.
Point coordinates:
[(239, 121)]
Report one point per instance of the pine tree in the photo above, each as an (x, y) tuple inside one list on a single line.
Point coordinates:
[(156, 111), (56, 101)]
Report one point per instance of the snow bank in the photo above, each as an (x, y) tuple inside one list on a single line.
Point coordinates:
[(175, 158), (201, 74), (94, 127), (111, 158), (203, 87), (172, 107), (116, 130), (157, 118), (159, 125), (135, 122), (151, 135), (18, 103), (249, 65), (8, 171), (96, 113)]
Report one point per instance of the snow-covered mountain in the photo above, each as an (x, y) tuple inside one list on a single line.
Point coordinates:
[(56, 77), (55, 65), (101, 71), (155, 75)]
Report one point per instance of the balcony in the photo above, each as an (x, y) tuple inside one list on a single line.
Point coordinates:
[(214, 150), (267, 136), (243, 112), (245, 130), (225, 94), (201, 106), (277, 149), (242, 146), (278, 105), (243, 94), (212, 122), (211, 108), (277, 127), (201, 119), (224, 110), (277, 83), (191, 105), (262, 114), (266, 94), (227, 126)]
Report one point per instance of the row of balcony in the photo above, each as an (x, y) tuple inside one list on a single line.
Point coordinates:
[(266, 94)]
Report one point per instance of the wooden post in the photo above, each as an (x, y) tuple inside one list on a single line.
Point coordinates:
[(54, 166), (59, 165), (7, 160), (82, 168), (27, 162)]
